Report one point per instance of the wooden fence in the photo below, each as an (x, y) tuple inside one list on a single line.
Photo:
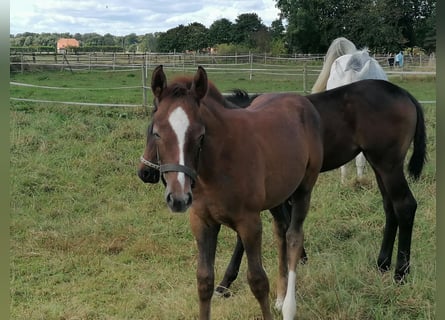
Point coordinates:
[(297, 66)]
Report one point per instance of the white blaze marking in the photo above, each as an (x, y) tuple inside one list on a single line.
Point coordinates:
[(290, 305), (179, 122)]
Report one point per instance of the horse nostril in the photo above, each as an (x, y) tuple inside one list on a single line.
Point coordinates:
[(148, 175), (169, 198), (189, 199), (141, 174)]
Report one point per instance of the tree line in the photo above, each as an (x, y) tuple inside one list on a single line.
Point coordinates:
[(303, 26)]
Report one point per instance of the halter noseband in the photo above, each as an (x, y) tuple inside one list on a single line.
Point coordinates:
[(149, 164), (171, 167)]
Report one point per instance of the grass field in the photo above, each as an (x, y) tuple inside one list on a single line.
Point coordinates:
[(89, 240)]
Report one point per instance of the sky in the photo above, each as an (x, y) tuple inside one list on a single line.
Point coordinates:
[(122, 17)]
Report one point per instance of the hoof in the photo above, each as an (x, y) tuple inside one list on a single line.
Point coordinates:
[(400, 275), (279, 304), (223, 292), (384, 265)]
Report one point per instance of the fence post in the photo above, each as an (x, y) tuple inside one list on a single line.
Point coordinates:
[(304, 76), (22, 68), (144, 89), (147, 63), (251, 64)]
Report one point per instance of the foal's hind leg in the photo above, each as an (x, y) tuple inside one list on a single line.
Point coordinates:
[(294, 239), (250, 232), (360, 163), (232, 269), (281, 221), (281, 215), (400, 208)]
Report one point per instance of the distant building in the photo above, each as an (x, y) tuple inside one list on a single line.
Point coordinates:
[(64, 44)]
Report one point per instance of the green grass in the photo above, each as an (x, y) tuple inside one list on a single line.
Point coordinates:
[(89, 240)]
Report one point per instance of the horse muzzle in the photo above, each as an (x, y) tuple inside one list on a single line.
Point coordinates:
[(178, 195), (179, 202)]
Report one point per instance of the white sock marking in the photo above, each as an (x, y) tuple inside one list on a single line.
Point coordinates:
[(290, 304), (179, 122)]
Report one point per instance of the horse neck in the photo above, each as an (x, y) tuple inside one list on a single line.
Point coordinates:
[(213, 110), (216, 120)]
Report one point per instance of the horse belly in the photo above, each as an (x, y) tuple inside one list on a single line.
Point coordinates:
[(284, 175)]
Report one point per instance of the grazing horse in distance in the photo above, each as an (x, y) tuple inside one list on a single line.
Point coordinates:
[(227, 165), (345, 64)]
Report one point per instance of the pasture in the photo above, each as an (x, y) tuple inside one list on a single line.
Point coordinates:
[(89, 240)]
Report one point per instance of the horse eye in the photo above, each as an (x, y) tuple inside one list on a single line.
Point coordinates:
[(156, 135)]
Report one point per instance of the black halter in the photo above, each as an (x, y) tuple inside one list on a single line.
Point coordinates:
[(171, 167)]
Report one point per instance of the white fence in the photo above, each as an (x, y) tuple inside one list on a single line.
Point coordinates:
[(303, 67), (120, 61)]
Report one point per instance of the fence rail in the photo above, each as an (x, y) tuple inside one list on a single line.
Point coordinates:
[(302, 67), (21, 62)]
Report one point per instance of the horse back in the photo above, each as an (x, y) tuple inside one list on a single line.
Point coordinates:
[(290, 115), (368, 115)]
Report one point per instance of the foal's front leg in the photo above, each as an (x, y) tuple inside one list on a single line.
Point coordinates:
[(206, 239)]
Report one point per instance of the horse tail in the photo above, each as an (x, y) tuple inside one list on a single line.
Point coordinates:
[(419, 155), (338, 48)]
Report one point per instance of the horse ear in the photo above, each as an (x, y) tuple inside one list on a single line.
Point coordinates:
[(158, 81), (200, 83)]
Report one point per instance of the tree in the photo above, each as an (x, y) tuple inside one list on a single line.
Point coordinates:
[(130, 39), (380, 24), (308, 21), (261, 40), (197, 36), (221, 31), (277, 30), (148, 42), (109, 40), (173, 40), (246, 26), (92, 39)]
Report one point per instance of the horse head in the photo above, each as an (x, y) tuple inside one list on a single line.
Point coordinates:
[(176, 135)]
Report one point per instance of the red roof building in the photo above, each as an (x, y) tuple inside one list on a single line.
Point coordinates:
[(64, 44)]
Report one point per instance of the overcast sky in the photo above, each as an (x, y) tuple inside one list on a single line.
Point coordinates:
[(122, 17)]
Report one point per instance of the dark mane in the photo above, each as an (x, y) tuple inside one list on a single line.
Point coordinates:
[(238, 99)]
